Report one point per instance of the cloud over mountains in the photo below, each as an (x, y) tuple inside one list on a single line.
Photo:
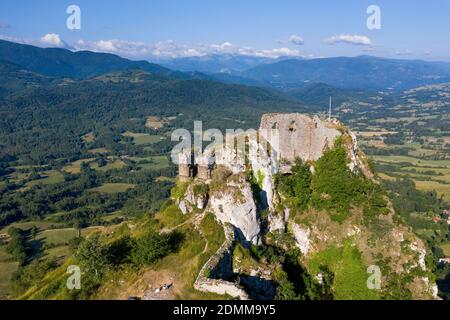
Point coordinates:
[(164, 49), (171, 49), (349, 39), (52, 40)]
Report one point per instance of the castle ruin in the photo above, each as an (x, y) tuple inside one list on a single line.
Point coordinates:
[(199, 167)]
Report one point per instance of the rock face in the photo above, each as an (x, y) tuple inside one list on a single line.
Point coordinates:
[(278, 221), (300, 136), (264, 166), (301, 236), (235, 205), (191, 200)]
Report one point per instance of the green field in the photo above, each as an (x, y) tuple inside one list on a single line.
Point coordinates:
[(446, 248), (440, 188), (114, 188), (75, 167), (58, 236), (429, 175), (414, 161), (48, 178), (147, 139), (7, 268), (143, 138), (60, 252), (43, 225), (6, 271), (111, 165), (152, 163), (114, 215)]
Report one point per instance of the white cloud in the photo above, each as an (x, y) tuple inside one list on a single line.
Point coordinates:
[(349, 39), (160, 50), (122, 47), (52, 40), (171, 49), (296, 39)]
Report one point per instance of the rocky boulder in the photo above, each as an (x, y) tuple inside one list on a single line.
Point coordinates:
[(234, 204)]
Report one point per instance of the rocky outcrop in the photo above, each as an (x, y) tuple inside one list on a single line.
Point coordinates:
[(264, 166), (302, 238), (232, 198), (234, 204), (278, 221), (191, 200)]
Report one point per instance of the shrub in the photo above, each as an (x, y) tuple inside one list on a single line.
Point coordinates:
[(296, 187), (201, 190), (334, 186), (153, 246)]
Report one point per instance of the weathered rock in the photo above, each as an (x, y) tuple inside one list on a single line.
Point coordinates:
[(278, 222), (191, 200), (300, 136), (264, 167), (302, 239), (183, 207), (235, 205)]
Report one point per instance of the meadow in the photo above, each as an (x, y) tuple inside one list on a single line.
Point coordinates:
[(141, 139), (114, 187)]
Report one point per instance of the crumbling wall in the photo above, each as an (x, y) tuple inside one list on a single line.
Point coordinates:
[(219, 286), (300, 136)]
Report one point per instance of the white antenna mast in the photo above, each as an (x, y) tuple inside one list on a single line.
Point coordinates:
[(329, 111)]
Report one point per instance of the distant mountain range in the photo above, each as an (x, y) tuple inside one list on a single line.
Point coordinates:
[(363, 72), (318, 95), (212, 64)]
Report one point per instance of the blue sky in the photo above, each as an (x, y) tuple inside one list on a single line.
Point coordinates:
[(142, 29)]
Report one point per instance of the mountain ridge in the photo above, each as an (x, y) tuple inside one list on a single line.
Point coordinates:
[(362, 72), (58, 62)]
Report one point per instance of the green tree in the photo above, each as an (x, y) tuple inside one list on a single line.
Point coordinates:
[(17, 245), (34, 232), (92, 256), (150, 248), (285, 289)]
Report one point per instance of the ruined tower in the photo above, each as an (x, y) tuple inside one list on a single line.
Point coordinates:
[(185, 166), (205, 165)]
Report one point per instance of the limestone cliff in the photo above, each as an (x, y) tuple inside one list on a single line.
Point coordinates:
[(244, 192), (234, 204)]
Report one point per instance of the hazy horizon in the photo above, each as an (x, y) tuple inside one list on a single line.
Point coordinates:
[(160, 30)]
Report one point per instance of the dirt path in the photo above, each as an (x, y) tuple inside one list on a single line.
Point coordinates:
[(192, 220)]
